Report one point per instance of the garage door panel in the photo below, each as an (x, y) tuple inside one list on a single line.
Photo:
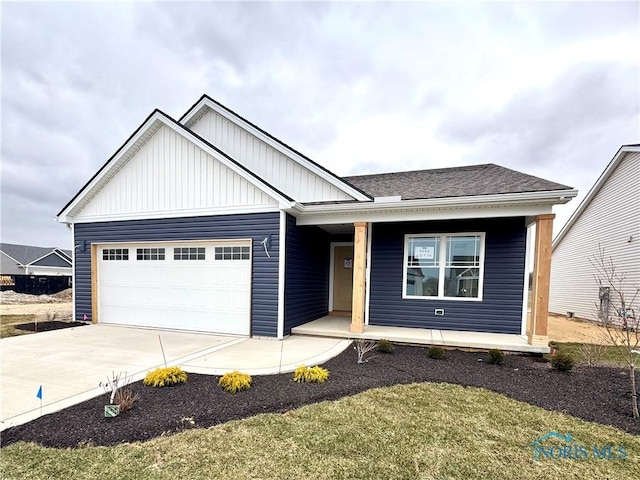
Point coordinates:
[(192, 294)]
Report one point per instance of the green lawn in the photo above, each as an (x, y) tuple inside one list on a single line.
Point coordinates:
[(8, 323), (583, 352), (404, 432)]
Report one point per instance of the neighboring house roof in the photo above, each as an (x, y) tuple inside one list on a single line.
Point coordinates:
[(608, 171), (489, 179), (41, 256)]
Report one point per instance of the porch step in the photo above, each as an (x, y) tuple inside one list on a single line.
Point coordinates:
[(338, 327)]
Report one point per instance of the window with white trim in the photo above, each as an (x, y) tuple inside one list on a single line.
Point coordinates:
[(447, 266), (188, 253), (150, 254), (115, 254)]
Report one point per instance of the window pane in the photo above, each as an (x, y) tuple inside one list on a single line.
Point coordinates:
[(463, 251), (422, 282), (461, 282), (423, 251)]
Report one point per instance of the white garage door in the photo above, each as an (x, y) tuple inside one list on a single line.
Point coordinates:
[(191, 286)]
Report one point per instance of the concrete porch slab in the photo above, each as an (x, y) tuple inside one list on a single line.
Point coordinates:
[(338, 327)]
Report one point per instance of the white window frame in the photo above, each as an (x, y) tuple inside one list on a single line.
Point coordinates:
[(443, 266)]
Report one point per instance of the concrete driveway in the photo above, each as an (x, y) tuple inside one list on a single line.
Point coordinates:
[(69, 364)]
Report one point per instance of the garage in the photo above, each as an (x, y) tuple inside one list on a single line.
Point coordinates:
[(198, 286)]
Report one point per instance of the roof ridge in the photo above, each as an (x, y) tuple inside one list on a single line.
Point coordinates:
[(460, 167)]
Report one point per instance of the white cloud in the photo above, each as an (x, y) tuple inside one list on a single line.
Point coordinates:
[(549, 88)]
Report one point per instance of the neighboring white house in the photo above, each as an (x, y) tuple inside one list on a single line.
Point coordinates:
[(609, 217)]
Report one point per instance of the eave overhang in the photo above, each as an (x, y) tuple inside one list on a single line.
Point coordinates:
[(481, 206)]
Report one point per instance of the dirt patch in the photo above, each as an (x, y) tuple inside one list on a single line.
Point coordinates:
[(11, 297), (562, 329), (594, 394), (62, 311)]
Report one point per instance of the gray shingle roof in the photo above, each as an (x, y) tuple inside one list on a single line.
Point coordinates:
[(26, 254), (489, 179)]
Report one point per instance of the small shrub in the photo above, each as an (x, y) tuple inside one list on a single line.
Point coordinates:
[(436, 353), (592, 353), (562, 362), (235, 381), (125, 397), (496, 357), (310, 374), (164, 377), (362, 347), (385, 346)]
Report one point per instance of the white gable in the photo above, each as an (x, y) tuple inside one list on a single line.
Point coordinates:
[(609, 217), (276, 168), (169, 174)]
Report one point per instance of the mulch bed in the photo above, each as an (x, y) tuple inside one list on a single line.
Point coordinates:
[(596, 394), (48, 326)]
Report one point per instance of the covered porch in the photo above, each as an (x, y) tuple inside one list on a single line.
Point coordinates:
[(448, 322), (339, 327)]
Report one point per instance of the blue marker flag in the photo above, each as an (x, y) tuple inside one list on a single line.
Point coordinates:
[(39, 394)]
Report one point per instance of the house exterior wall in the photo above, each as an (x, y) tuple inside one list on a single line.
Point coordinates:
[(307, 274), (274, 167), (9, 266), (170, 174), (609, 220), (500, 310), (264, 287)]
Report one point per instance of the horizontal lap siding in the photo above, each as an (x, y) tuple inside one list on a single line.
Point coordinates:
[(500, 311), (307, 278), (264, 288), (608, 221)]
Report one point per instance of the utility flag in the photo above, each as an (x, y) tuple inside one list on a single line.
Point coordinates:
[(39, 394)]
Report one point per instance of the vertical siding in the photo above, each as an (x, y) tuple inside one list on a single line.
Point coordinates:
[(307, 274), (264, 287), (500, 311), (612, 216), (169, 173), (275, 168)]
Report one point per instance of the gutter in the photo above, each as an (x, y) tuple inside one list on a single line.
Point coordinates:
[(552, 197)]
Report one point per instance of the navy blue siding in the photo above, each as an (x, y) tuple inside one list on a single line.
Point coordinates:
[(500, 311), (264, 288), (307, 274)]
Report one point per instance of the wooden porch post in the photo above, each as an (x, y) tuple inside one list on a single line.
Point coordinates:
[(537, 330), (360, 255)]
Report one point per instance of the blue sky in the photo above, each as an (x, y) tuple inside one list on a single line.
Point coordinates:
[(547, 88)]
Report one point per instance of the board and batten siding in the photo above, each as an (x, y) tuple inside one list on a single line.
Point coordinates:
[(500, 310), (610, 219), (168, 174), (307, 275), (264, 269), (274, 167)]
